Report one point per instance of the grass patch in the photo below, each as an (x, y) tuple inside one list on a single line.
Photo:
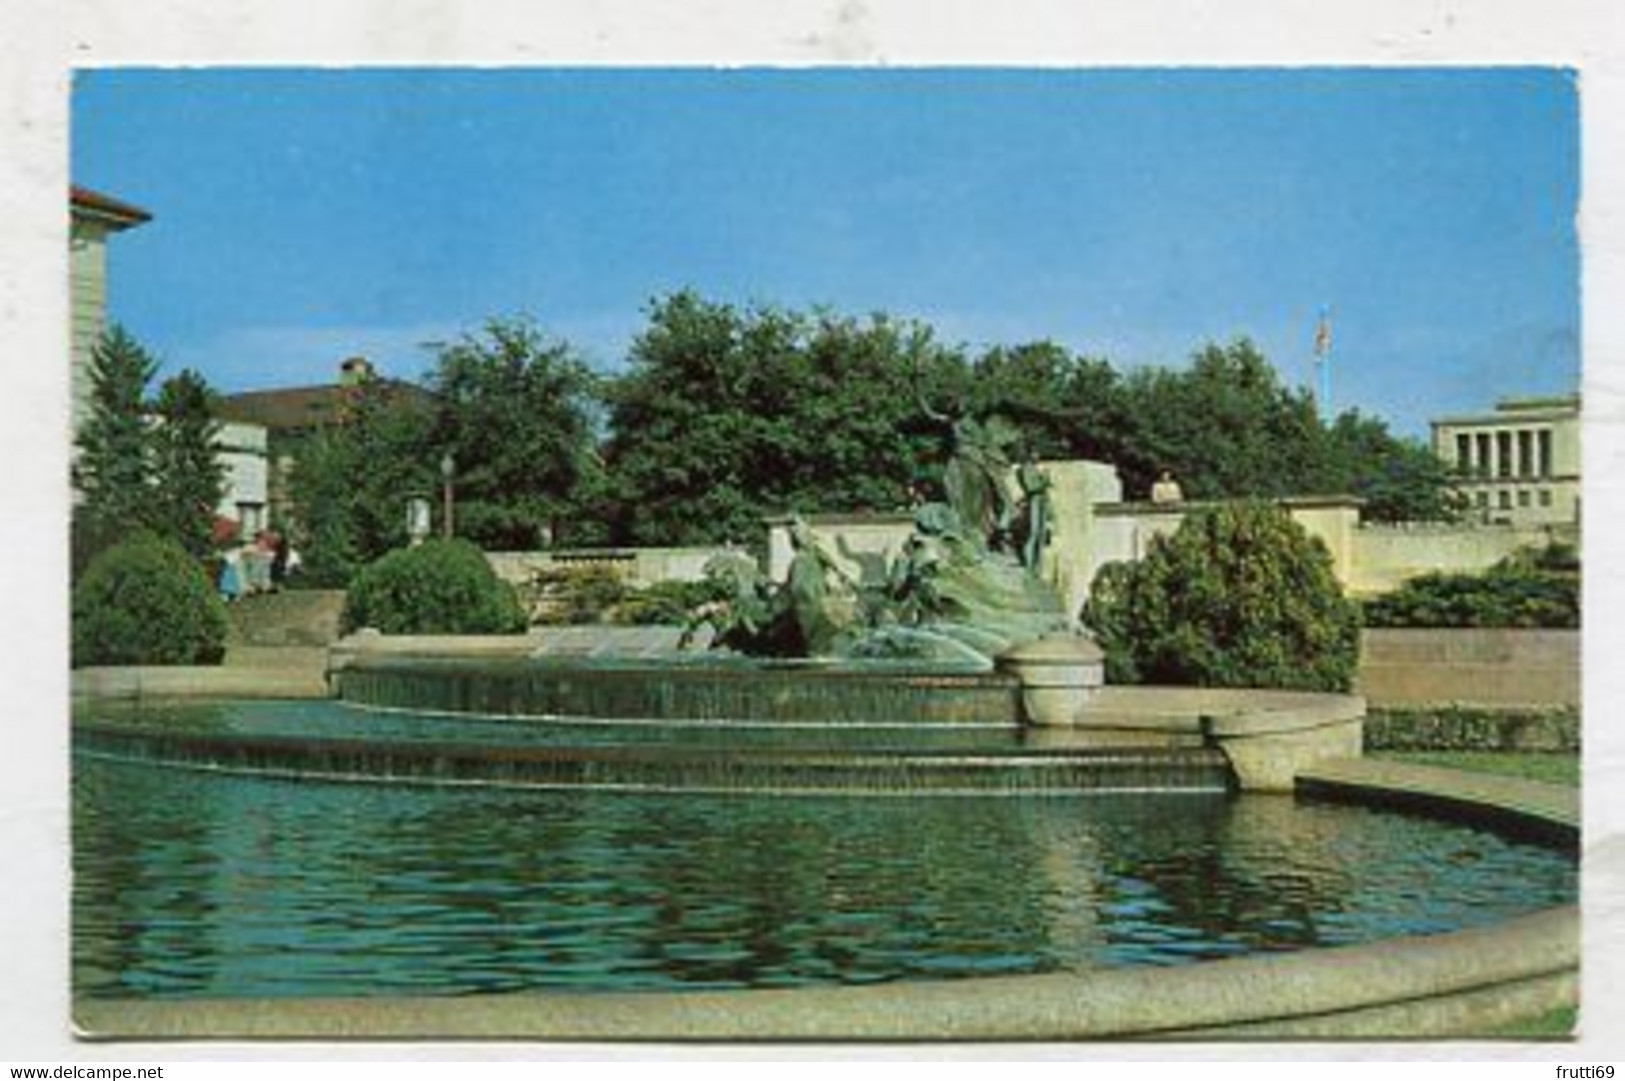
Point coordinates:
[(1555, 768), (1555, 1024)]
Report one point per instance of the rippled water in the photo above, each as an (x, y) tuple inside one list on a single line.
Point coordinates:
[(193, 884)]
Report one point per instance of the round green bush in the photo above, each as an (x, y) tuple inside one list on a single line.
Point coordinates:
[(146, 601), (438, 587), (1239, 596)]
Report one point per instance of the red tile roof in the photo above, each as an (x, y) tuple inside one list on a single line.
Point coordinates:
[(105, 206)]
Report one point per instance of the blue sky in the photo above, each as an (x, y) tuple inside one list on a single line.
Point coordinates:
[(305, 215)]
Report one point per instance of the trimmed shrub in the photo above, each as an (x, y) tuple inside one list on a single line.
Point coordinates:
[(594, 593), (438, 587), (1533, 588), (668, 603), (1240, 596), (146, 601), (575, 594)]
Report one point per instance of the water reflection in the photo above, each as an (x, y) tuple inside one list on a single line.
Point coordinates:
[(188, 883)]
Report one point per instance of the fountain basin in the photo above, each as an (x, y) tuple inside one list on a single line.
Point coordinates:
[(1268, 737), (1416, 984)]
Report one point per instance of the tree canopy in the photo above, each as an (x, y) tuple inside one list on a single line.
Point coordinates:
[(144, 465), (514, 409), (724, 415)]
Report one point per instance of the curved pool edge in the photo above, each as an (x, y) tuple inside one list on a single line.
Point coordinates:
[(1545, 812), (1457, 984)]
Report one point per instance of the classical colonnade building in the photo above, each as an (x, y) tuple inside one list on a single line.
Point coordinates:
[(1518, 464)]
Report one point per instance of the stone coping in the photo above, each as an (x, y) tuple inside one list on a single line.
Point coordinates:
[(183, 681), (1185, 506), (1547, 810), (1439, 985), (1223, 711)]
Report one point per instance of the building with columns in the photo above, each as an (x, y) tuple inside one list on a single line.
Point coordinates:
[(1519, 464)]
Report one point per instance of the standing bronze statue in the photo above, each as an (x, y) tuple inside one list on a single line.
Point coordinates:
[(977, 476)]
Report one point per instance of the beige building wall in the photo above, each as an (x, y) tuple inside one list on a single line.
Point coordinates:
[(87, 298), (92, 218), (242, 451)]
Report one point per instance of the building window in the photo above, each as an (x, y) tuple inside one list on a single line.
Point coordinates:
[(1481, 461), (250, 518), (1543, 439), (1526, 453), (1503, 454), (1545, 497), (1483, 499), (1504, 501), (1464, 453), (1523, 499)]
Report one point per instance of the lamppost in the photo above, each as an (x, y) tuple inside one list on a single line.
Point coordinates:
[(448, 472)]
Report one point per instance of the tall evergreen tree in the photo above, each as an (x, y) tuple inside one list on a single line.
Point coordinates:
[(188, 473), (113, 469)]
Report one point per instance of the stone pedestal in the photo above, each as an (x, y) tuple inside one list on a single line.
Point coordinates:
[(1059, 676)]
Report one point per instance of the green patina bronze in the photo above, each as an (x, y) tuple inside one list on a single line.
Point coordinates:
[(964, 587)]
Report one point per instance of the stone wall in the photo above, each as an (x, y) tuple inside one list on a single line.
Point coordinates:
[(1368, 558), (1090, 527), (1383, 557), (639, 566), (862, 544), (1480, 666), (294, 617)]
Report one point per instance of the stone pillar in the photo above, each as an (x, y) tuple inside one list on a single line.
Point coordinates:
[(1072, 558), (1059, 677)]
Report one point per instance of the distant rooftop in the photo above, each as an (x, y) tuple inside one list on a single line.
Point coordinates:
[(105, 208), (294, 408), (1546, 407), (1556, 401)]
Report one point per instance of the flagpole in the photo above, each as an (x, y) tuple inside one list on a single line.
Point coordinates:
[(1323, 368)]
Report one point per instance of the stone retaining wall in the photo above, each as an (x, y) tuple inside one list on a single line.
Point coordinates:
[(1478, 666), (294, 617)]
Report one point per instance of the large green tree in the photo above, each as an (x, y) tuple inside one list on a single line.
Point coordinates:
[(1400, 479), (1067, 406), (1225, 427), (728, 415), (514, 408), (353, 478)]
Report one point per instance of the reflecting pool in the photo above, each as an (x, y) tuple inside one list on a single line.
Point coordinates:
[(195, 883)]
